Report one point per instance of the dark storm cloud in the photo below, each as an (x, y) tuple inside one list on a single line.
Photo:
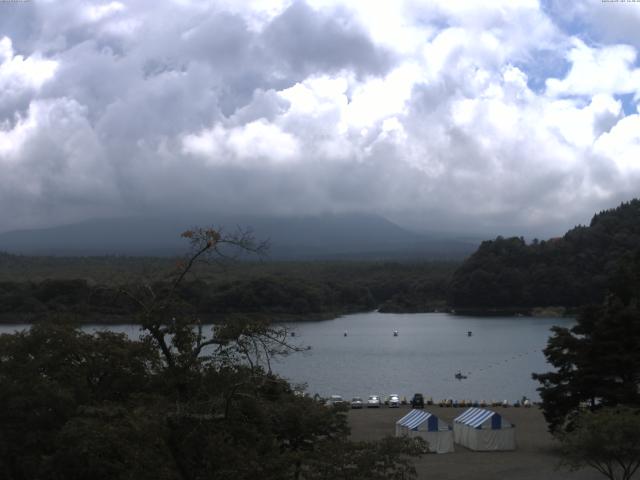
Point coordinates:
[(309, 43)]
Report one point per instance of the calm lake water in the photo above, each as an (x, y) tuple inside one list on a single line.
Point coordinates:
[(430, 348), (497, 359)]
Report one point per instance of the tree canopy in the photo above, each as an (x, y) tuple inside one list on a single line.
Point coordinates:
[(607, 440), (597, 362), (180, 403), (570, 271), (280, 290)]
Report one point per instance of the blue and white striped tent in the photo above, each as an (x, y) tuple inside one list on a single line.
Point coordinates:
[(420, 423), (482, 430)]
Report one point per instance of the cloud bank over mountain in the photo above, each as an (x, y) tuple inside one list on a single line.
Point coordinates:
[(521, 116)]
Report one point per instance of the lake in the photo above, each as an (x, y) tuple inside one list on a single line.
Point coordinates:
[(430, 348)]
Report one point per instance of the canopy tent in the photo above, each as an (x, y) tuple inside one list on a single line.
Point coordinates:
[(419, 423), (484, 430)]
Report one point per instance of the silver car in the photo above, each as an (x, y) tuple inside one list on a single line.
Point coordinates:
[(356, 402), (374, 401), (394, 401)]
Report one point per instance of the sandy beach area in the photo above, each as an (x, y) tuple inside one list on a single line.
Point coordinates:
[(534, 459)]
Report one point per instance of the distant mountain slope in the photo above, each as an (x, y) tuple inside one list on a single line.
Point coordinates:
[(570, 271), (322, 237)]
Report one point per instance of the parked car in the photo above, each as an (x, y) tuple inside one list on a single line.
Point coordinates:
[(374, 401), (417, 401), (356, 402), (394, 400), (335, 400)]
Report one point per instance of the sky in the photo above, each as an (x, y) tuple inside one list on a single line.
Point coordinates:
[(520, 117)]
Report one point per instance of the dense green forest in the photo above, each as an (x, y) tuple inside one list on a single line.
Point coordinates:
[(92, 288), (596, 361), (183, 402), (570, 271), (506, 274), (590, 396)]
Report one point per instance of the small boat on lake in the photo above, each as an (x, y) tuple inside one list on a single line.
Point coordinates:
[(460, 376), (469, 333), (395, 333), (345, 333)]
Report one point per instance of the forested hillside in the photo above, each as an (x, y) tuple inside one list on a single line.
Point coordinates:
[(184, 401), (506, 273), (93, 288), (570, 271)]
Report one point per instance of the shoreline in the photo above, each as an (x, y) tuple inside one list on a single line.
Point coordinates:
[(128, 319)]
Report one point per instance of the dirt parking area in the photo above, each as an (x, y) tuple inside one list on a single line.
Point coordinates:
[(534, 459)]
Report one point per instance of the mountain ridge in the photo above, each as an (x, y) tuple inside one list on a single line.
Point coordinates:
[(328, 236)]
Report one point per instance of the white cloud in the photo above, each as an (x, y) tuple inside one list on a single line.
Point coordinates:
[(95, 13), (418, 109), (19, 73), (581, 126), (54, 154), (608, 70), (258, 141), (12, 139), (380, 98), (622, 146)]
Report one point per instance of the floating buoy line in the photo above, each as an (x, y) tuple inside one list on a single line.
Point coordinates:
[(460, 376), (463, 376)]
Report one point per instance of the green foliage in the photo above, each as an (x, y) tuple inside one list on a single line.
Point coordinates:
[(389, 459), (597, 362), (571, 271), (607, 440), (111, 441), (180, 403), (274, 290), (75, 406), (48, 373)]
